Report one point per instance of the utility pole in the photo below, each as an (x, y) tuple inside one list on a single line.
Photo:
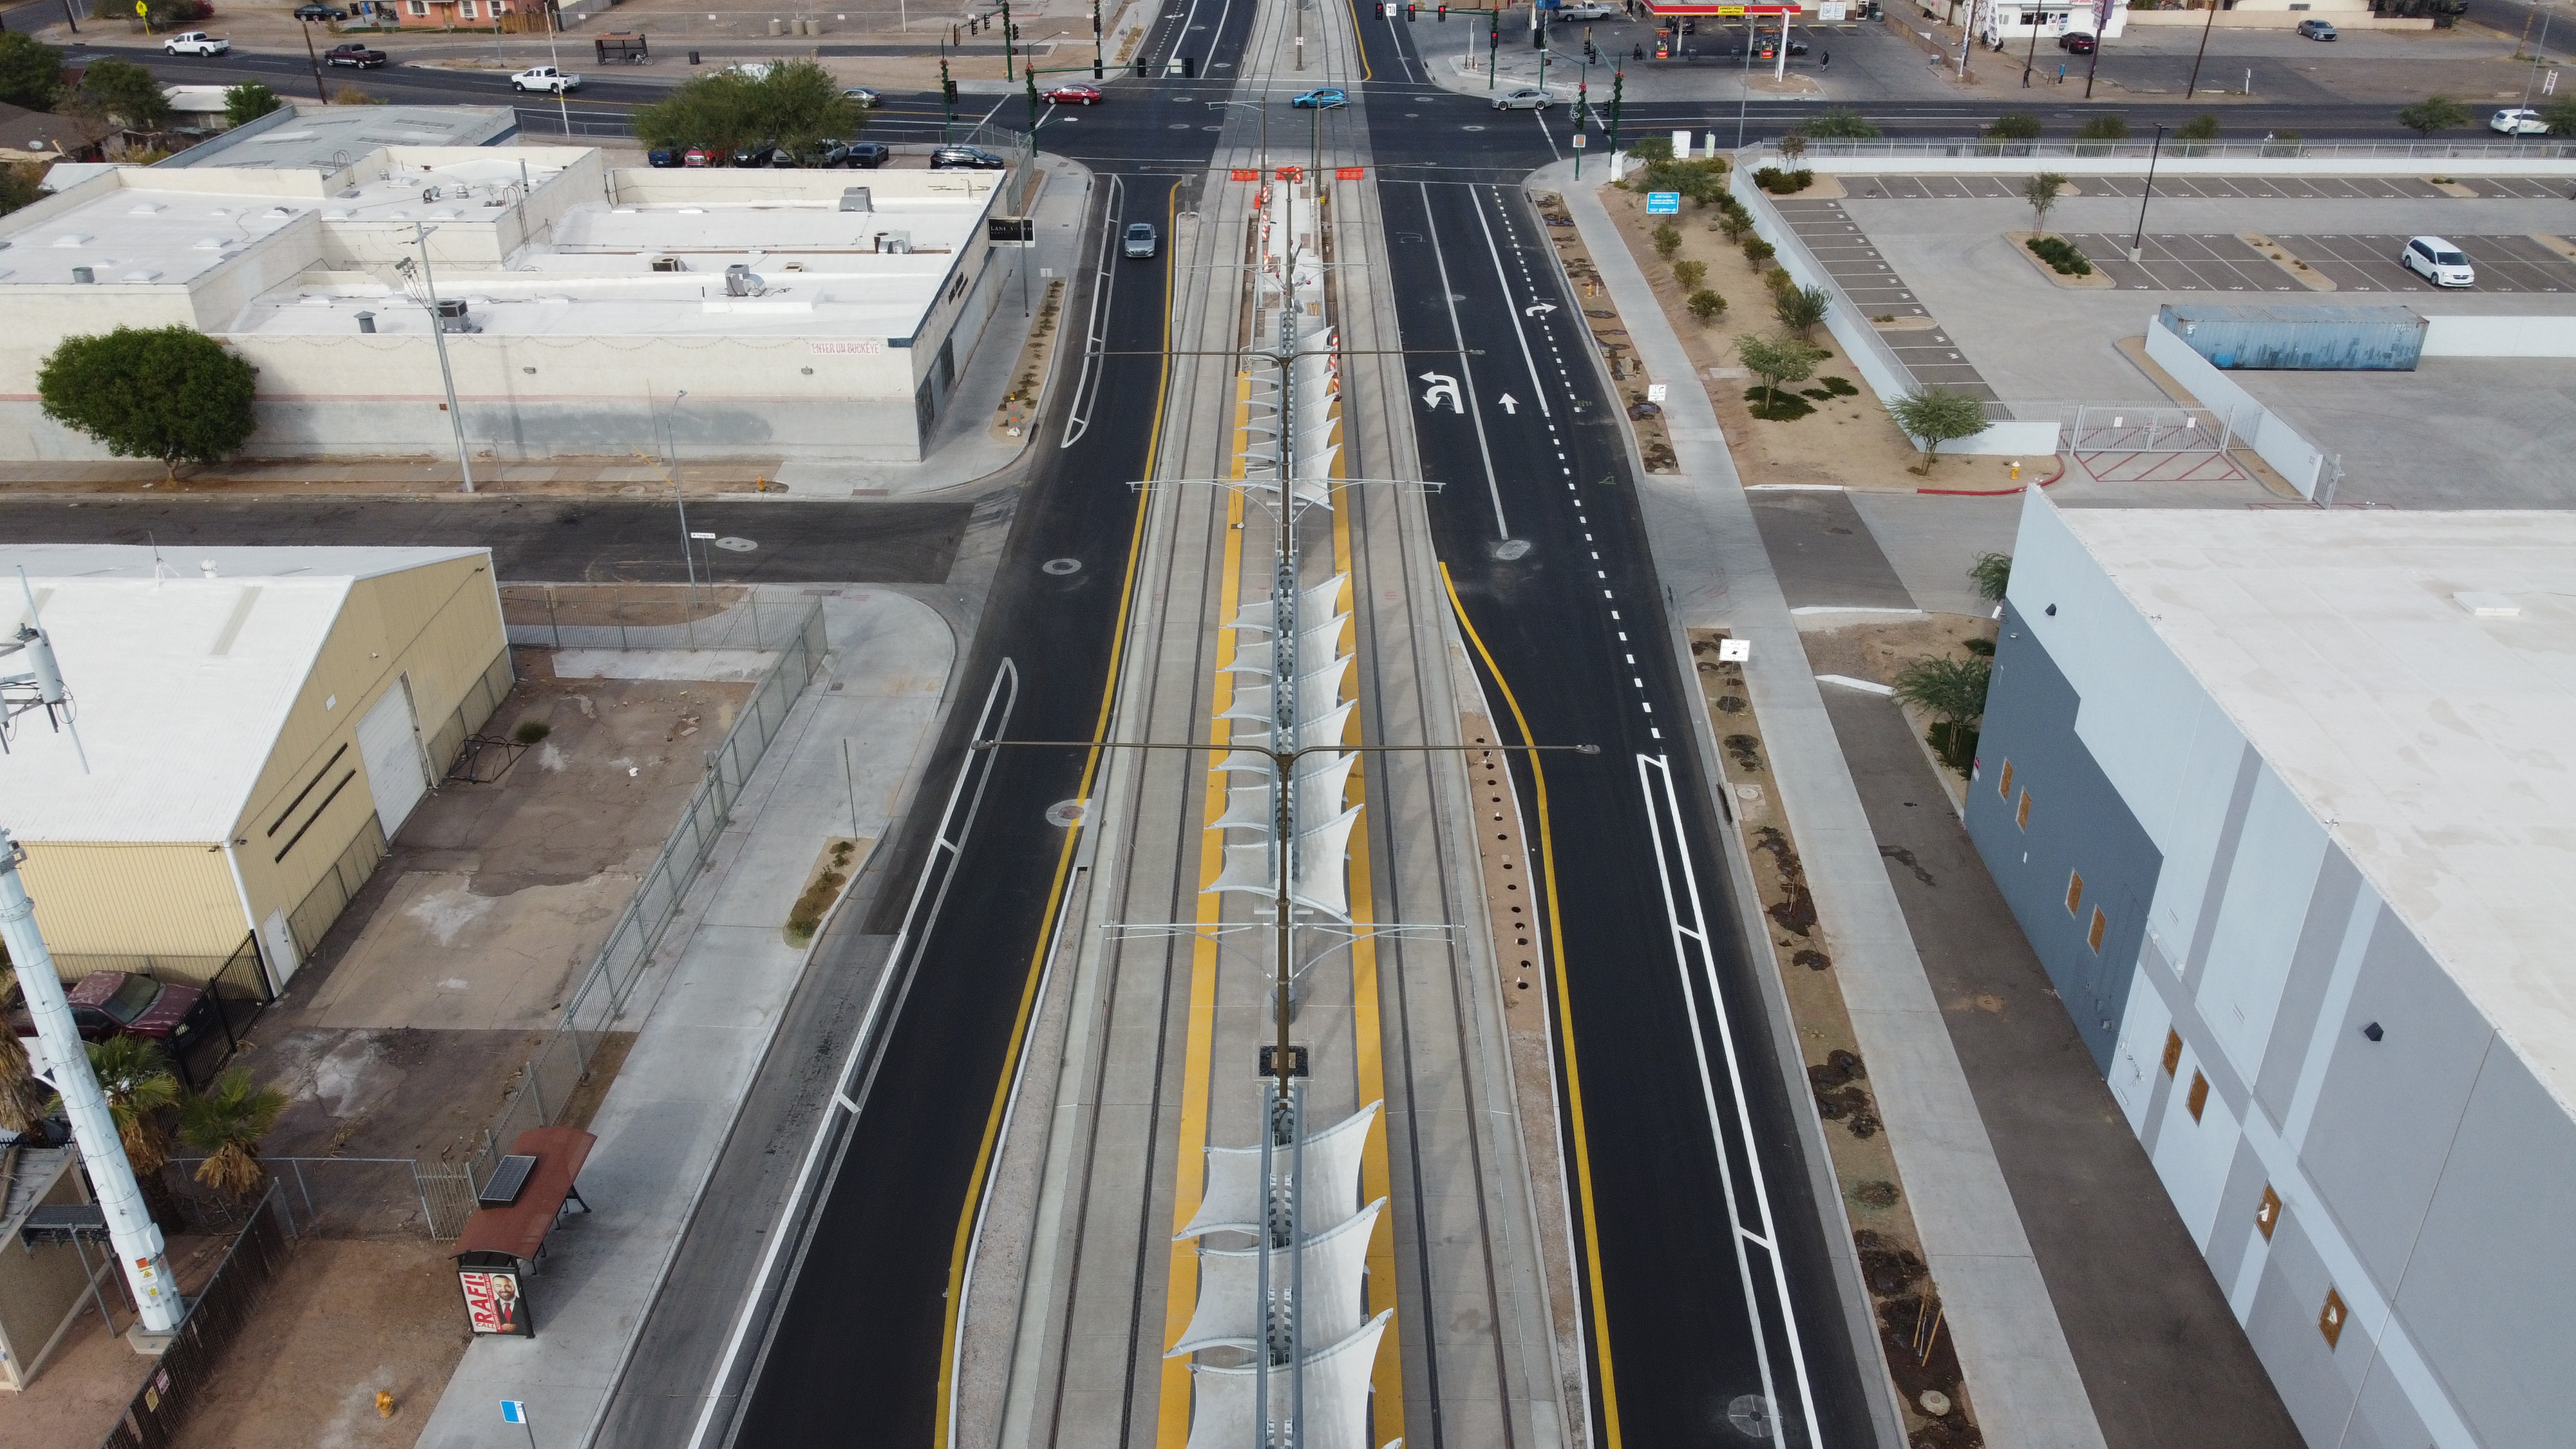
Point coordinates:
[(130, 1229), (2094, 66), (1098, 56), (316, 62), (438, 333), (2030, 62), (2205, 27)]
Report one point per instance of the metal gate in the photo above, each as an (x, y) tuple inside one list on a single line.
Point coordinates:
[(2119, 444)]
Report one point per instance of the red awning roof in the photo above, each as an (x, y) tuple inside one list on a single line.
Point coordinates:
[(520, 1229)]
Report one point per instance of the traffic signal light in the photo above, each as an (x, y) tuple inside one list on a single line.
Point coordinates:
[(948, 91), (1412, 13), (1444, 14)]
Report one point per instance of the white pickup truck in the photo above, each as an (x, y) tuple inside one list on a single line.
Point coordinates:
[(195, 42), (546, 78)]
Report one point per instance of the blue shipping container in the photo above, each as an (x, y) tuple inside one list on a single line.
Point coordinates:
[(2293, 338)]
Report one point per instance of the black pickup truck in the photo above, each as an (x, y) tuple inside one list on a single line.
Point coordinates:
[(356, 53)]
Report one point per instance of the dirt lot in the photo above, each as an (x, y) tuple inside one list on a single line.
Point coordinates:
[(1847, 441), (407, 1030)]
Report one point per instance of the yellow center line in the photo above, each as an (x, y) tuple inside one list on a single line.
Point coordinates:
[(1369, 1062), (1198, 1054), (1565, 1034), (965, 1236)]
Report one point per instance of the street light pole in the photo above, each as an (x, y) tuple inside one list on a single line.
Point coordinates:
[(2138, 242), (130, 1229), (2205, 27), (438, 333)]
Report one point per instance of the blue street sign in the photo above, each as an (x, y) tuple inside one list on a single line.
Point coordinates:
[(1663, 203), (513, 1412)]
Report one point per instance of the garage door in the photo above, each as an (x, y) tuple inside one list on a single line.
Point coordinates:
[(392, 751)]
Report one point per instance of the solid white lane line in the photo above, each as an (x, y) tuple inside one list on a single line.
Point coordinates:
[(1466, 365), (1514, 310)]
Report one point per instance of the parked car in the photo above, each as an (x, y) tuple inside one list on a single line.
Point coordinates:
[(767, 153), (2438, 262), (2077, 42), (966, 158), (825, 153), (1322, 100), (864, 98), (1142, 241), (1071, 95), (356, 53), (663, 157), (2317, 29), (1586, 12), (868, 155), (195, 42), (1527, 98), (119, 1003), (2518, 121), (545, 78), (697, 156), (320, 12)]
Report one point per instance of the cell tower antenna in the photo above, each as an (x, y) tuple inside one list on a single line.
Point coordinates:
[(41, 687)]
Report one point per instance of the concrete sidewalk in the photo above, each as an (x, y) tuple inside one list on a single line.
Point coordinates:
[(706, 1012), (1716, 573)]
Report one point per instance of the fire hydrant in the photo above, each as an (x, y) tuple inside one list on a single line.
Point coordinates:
[(384, 1404), (2016, 470)]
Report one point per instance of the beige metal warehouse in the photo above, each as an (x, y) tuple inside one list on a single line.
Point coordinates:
[(257, 723)]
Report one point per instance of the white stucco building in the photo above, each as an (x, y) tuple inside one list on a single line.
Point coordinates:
[(590, 297)]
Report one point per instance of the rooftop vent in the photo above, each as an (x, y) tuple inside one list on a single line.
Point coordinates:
[(2488, 606), (741, 282), (857, 198), (142, 274), (669, 264), (144, 208), (209, 244), (73, 239), (83, 276)]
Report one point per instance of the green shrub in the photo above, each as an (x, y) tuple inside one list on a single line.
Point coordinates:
[(1706, 305), (1757, 251), (1690, 274), (2013, 126), (2109, 126), (1668, 240), (1783, 183), (2061, 255)]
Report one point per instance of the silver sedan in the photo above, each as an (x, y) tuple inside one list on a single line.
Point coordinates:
[(1527, 98)]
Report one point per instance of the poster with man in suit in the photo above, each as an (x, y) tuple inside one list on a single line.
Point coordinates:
[(493, 1304)]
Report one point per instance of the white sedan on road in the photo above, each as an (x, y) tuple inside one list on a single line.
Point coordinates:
[(1527, 98), (2518, 121), (546, 78), (195, 42)]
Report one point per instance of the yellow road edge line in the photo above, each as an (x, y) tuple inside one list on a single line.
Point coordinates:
[(1359, 41), (1198, 1055), (1565, 1031), (1369, 1057), (940, 1427)]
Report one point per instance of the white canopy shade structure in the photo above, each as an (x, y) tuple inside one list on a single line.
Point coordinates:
[(1336, 1396), (1332, 1293), (1233, 1200)]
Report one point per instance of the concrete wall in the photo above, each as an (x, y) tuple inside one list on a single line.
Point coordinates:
[(2297, 460), (2420, 1178), (44, 1289), (2500, 337)]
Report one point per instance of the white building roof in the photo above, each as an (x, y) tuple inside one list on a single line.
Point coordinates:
[(180, 682), (2430, 735), (327, 138)]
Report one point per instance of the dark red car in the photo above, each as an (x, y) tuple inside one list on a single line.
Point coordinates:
[(1074, 95), (119, 1003)]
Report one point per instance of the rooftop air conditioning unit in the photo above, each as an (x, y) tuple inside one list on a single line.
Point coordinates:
[(741, 281), (669, 264), (895, 241), (452, 318), (858, 198)]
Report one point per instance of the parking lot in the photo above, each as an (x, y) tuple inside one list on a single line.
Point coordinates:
[(1847, 255), (2220, 188), (2204, 262), (2369, 263)]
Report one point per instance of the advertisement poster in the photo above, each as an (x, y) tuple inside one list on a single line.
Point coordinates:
[(493, 1304)]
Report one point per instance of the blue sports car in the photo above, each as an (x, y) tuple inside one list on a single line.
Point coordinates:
[(1323, 100)]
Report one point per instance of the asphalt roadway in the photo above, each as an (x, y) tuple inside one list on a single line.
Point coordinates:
[(537, 540)]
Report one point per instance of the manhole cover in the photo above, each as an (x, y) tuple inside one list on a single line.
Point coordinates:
[(1064, 813), (1062, 565), (1512, 548), (738, 545), (1751, 1416)]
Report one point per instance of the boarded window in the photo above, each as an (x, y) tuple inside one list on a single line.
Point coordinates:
[(2003, 786), (2021, 817), (2074, 891), (2330, 1318), (2268, 1216), (2101, 923), (2173, 1051), (2199, 1097)]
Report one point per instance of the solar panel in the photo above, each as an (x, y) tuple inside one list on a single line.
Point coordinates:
[(507, 1181)]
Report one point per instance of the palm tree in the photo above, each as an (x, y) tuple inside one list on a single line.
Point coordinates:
[(225, 1123), (22, 1093), (137, 1081)]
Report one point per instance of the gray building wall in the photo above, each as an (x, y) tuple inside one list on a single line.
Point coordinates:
[(2078, 823)]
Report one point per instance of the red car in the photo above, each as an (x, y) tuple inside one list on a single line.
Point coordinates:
[(118, 1003), (1074, 95)]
